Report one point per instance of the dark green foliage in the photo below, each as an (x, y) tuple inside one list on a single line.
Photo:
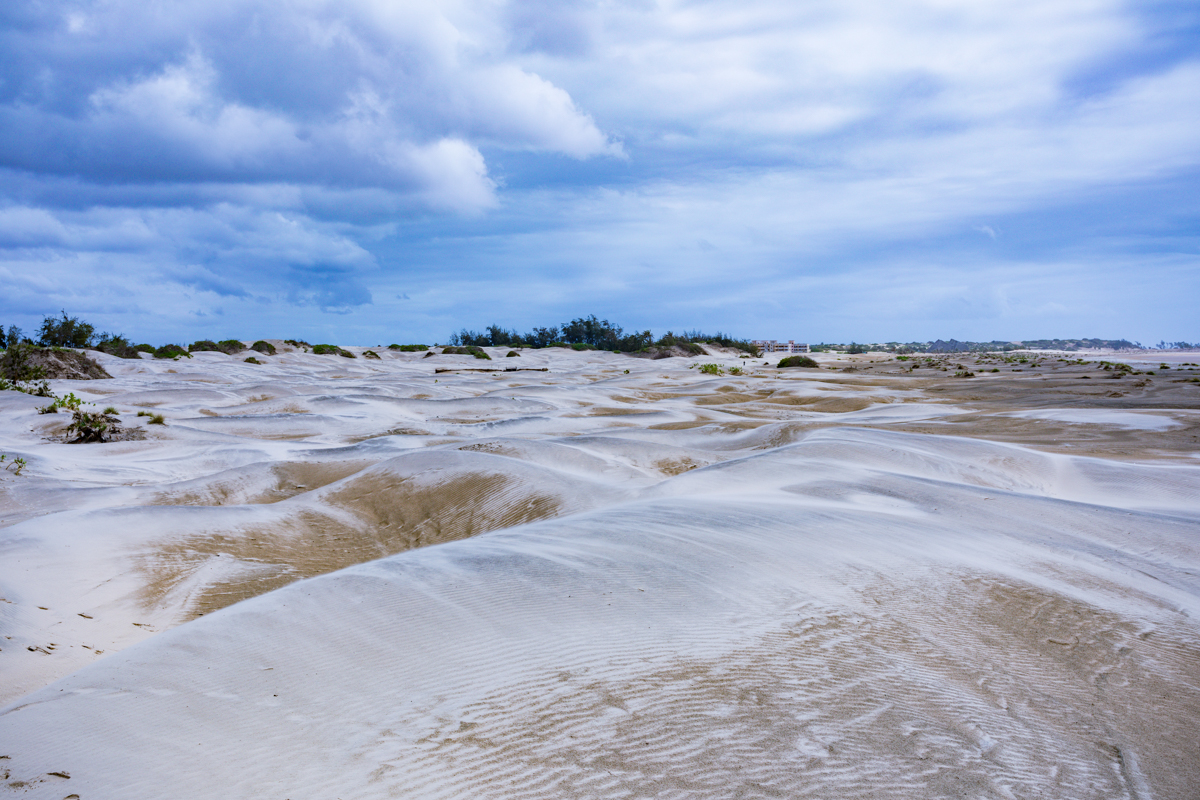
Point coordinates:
[(580, 346), (91, 426), (559, 344), (11, 338), (408, 348), (856, 348), (346, 353), (297, 343), (263, 347), (230, 346), (70, 402), (469, 350), (252, 360), (203, 346), (116, 345), (66, 332), (798, 361), (325, 349), (144, 348), (370, 354), (512, 354), (15, 365), (171, 351)]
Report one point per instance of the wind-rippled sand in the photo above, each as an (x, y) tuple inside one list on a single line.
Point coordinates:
[(328, 577)]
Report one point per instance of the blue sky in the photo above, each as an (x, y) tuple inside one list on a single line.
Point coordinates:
[(370, 171)]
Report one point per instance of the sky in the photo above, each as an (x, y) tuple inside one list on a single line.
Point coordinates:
[(377, 171)]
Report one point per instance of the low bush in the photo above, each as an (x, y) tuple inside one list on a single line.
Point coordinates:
[(203, 346), (512, 354), (92, 426), (144, 348), (297, 343), (581, 346), (171, 351), (408, 348), (230, 347), (559, 344), (798, 361), (370, 354), (331, 350), (266, 348), (252, 360), (115, 345), (712, 369), (155, 419), (469, 350)]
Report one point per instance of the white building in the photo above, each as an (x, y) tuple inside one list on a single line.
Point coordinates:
[(772, 346)]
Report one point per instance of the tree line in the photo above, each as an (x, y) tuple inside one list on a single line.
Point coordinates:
[(591, 332)]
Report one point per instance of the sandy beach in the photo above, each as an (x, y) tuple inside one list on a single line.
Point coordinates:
[(586, 575)]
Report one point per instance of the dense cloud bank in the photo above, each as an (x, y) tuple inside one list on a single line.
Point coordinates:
[(272, 163)]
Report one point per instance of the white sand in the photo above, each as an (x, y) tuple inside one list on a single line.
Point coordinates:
[(653, 584)]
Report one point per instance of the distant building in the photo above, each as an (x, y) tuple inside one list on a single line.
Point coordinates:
[(772, 346)]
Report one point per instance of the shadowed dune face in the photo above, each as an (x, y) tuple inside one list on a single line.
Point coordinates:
[(877, 583)]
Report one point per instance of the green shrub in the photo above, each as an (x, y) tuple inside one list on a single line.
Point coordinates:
[(581, 346), (66, 332), (230, 347), (512, 354), (559, 344), (370, 354), (735, 370), (346, 353), (70, 402), (203, 346), (408, 348), (711, 369), (469, 350), (89, 426), (155, 419), (263, 347), (297, 343), (115, 345), (16, 366), (798, 361), (144, 348), (171, 351), (252, 360)]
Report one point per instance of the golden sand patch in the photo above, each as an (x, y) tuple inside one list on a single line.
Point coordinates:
[(387, 515)]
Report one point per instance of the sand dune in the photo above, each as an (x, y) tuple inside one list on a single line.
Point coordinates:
[(327, 577)]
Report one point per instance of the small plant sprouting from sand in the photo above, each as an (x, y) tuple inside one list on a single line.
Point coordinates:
[(252, 360), (155, 419), (711, 369), (15, 466), (69, 402)]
